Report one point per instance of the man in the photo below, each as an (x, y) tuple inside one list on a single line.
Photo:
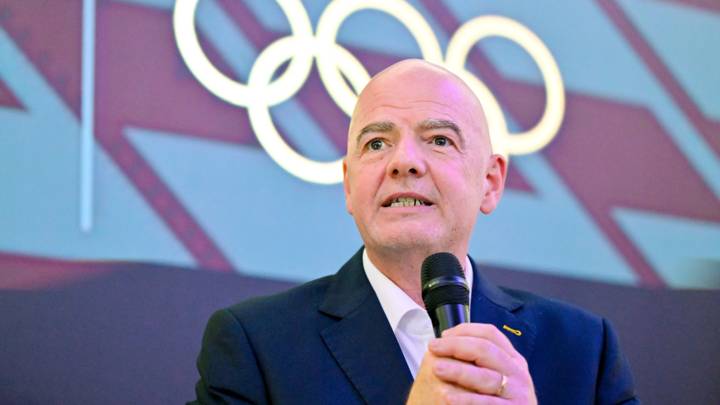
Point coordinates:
[(419, 169)]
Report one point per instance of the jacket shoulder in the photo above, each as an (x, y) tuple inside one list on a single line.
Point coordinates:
[(297, 302), (583, 349), (549, 314)]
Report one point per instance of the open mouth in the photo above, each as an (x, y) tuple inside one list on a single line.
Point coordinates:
[(406, 202)]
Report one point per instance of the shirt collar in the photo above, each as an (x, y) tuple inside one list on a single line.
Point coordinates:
[(394, 301)]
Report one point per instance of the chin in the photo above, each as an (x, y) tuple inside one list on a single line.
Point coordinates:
[(407, 240)]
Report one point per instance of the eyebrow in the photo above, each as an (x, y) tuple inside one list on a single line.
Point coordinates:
[(425, 125), (430, 124), (381, 126)]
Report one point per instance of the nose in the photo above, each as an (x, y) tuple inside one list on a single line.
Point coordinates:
[(407, 159)]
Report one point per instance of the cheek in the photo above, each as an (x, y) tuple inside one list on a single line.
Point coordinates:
[(464, 192), (359, 192), (364, 194), (460, 179), (368, 179), (474, 179)]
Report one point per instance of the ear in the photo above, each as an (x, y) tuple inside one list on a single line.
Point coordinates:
[(346, 186), (494, 183)]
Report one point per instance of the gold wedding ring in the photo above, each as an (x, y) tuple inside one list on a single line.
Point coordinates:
[(501, 388)]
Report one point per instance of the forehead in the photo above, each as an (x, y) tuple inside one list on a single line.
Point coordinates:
[(417, 94)]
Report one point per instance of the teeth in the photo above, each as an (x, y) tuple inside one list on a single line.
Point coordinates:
[(406, 202)]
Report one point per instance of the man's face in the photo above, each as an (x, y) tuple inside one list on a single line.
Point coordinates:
[(419, 167)]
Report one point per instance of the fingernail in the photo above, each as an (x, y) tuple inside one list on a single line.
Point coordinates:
[(434, 344), (440, 368)]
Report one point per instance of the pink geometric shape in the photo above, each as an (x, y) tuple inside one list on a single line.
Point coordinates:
[(20, 272), (8, 99), (708, 128)]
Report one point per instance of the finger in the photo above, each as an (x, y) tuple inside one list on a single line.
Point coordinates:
[(485, 331), (468, 398), (468, 376), (481, 352)]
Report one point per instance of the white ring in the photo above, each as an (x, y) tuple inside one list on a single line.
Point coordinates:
[(260, 119), (229, 89), (329, 25), (495, 119), (335, 63), (481, 27)]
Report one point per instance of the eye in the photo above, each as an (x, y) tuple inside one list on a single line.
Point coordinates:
[(440, 140), (376, 144)]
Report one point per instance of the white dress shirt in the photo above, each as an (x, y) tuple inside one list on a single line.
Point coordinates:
[(409, 321)]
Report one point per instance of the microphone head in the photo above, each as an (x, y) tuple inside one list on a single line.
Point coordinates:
[(443, 281)]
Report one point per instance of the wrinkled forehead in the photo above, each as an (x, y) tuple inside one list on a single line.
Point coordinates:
[(419, 86), (413, 84)]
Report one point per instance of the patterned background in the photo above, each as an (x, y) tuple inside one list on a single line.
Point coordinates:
[(626, 195)]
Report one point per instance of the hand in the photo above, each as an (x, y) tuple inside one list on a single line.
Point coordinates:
[(467, 365)]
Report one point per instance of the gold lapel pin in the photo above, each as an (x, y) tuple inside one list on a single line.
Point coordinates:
[(513, 331)]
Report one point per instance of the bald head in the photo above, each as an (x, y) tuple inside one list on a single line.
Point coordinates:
[(419, 167), (411, 82)]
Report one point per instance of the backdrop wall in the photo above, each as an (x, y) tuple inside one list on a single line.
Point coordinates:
[(142, 185)]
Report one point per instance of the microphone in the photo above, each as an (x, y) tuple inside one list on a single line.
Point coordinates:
[(444, 291)]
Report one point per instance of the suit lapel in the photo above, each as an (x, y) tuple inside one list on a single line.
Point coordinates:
[(361, 340), (492, 305), (363, 344)]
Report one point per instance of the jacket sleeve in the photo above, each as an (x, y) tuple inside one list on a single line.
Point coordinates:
[(615, 382), (229, 372)]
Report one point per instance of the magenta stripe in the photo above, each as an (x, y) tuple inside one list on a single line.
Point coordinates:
[(502, 89), (712, 6), (705, 126)]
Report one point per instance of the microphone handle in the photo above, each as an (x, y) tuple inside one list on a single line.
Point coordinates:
[(449, 315)]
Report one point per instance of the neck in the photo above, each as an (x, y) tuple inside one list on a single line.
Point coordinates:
[(403, 268)]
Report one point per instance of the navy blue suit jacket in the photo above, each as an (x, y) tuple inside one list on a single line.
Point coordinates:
[(328, 341)]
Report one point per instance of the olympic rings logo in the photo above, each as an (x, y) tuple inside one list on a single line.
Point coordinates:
[(301, 48)]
